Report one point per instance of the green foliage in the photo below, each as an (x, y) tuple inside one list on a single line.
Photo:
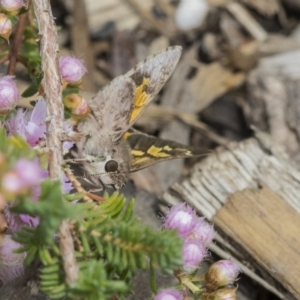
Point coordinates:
[(30, 56), (51, 203), (70, 90), (14, 148), (110, 245)]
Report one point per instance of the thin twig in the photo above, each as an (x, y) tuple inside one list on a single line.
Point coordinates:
[(16, 45), (247, 21), (81, 44), (4, 58), (147, 16), (55, 114)]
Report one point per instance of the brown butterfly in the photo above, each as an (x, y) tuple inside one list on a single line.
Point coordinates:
[(110, 149)]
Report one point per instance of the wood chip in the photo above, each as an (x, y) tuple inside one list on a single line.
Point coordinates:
[(266, 7), (213, 81), (267, 227), (274, 100), (248, 165), (104, 11), (247, 21)]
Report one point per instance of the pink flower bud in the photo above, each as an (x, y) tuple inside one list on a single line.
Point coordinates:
[(11, 6), (29, 172), (11, 264), (72, 69), (203, 231), (170, 294), (181, 217), (5, 27), (76, 104), (221, 273), (193, 252), (11, 183), (9, 94)]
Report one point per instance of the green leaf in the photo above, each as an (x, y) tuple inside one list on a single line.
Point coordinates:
[(30, 91), (51, 209)]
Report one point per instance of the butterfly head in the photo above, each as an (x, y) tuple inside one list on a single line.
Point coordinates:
[(106, 162)]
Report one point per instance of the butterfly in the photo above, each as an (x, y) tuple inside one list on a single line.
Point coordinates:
[(111, 149)]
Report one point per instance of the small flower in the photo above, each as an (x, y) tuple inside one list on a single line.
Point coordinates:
[(9, 94), (193, 252), (76, 104), (170, 294), (11, 6), (72, 69), (221, 273), (181, 217), (29, 125), (11, 183), (28, 171), (203, 231), (221, 294), (5, 26), (11, 264)]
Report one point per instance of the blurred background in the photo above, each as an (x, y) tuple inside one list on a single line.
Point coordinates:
[(237, 86)]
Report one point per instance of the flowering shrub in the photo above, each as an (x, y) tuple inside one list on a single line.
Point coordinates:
[(91, 249), (196, 234)]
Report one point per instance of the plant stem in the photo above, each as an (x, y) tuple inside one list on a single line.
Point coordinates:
[(185, 280), (152, 278), (52, 86), (16, 45)]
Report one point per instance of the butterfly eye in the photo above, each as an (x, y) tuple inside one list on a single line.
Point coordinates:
[(111, 166)]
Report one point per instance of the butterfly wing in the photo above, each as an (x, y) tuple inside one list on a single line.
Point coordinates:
[(150, 76), (147, 150), (118, 105), (113, 105)]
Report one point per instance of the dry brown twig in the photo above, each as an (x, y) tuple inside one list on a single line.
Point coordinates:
[(13, 55), (53, 94)]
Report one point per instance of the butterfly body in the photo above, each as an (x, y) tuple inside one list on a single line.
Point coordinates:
[(109, 151), (105, 161)]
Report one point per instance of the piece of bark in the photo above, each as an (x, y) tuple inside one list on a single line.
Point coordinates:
[(246, 165), (104, 11), (277, 43), (244, 57), (274, 100), (247, 21), (292, 4), (210, 46), (80, 37), (266, 7), (268, 228), (212, 81), (231, 29), (164, 26), (123, 53)]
